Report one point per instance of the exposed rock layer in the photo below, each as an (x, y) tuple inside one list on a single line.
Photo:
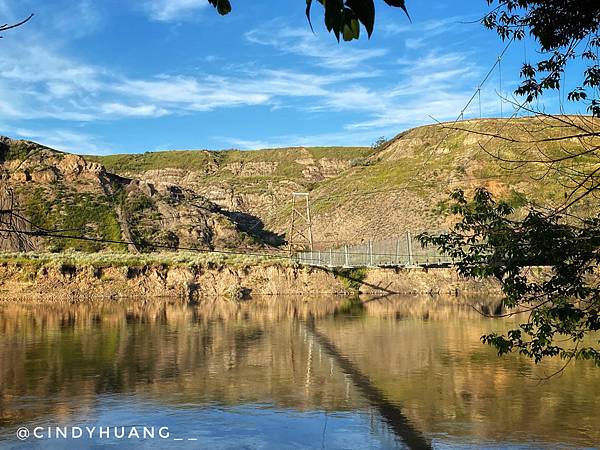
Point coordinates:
[(18, 281)]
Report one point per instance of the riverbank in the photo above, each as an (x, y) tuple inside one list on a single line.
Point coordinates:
[(190, 276)]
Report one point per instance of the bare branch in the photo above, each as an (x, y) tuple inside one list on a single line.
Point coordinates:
[(6, 27)]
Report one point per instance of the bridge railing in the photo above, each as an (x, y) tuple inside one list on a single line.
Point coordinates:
[(402, 251)]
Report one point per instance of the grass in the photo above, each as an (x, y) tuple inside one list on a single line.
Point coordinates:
[(423, 169), (216, 162), (419, 169), (351, 278), (175, 259), (15, 151), (78, 213), (141, 162)]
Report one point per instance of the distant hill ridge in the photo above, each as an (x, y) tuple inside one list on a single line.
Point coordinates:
[(356, 193)]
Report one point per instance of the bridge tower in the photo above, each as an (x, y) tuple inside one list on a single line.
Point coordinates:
[(300, 236)]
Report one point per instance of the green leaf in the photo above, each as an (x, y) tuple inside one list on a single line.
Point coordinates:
[(223, 6), (351, 30), (334, 16), (365, 11), (355, 28), (398, 4)]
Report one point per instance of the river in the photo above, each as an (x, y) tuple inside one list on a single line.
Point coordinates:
[(314, 373)]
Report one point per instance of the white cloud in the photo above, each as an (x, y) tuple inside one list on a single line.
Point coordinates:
[(334, 138), (60, 18), (39, 81), (6, 11), (302, 42), (171, 10), (192, 94), (433, 85), (63, 140), (427, 28), (75, 18), (250, 144), (415, 43), (121, 110)]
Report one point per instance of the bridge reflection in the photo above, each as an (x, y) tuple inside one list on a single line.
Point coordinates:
[(390, 412)]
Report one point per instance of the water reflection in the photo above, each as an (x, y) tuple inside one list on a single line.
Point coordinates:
[(277, 373), (390, 412)]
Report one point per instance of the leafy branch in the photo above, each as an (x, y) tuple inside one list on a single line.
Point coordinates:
[(343, 18), (544, 264)]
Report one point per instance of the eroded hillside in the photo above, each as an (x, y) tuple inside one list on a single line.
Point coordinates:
[(362, 193), (69, 195), (237, 198)]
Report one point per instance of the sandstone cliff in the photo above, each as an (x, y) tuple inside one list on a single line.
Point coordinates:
[(78, 278)]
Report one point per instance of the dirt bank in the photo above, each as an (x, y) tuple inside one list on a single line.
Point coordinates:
[(62, 282)]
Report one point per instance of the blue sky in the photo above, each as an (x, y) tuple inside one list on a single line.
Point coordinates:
[(116, 76)]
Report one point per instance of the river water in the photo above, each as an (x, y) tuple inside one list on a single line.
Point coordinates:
[(281, 374)]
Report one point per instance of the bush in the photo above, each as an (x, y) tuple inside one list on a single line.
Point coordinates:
[(237, 293)]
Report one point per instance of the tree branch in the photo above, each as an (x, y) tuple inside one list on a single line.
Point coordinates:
[(6, 26)]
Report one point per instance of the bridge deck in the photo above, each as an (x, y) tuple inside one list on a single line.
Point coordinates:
[(400, 252)]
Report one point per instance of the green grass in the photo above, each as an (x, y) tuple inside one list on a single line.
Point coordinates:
[(516, 199), (202, 159), (21, 150), (418, 169), (15, 151), (76, 214), (351, 278), (141, 162), (175, 259)]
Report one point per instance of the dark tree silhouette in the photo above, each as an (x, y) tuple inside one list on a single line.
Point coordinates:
[(566, 31), (547, 262), (342, 17)]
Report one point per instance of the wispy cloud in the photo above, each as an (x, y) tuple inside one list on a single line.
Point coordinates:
[(427, 28), (368, 91), (172, 10), (51, 85), (334, 138), (64, 140), (121, 110), (251, 144), (193, 94), (303, 43), (433, 85), (60, 18), (77, 18)]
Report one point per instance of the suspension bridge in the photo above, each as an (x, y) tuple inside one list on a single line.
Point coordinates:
[(401, 252)]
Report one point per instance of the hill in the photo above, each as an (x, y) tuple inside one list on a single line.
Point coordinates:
[(233, 198), (70, 195), (361, 193)]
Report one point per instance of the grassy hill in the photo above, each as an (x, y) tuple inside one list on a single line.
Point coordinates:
[(361, 193), (67, 195), (356, 193)]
